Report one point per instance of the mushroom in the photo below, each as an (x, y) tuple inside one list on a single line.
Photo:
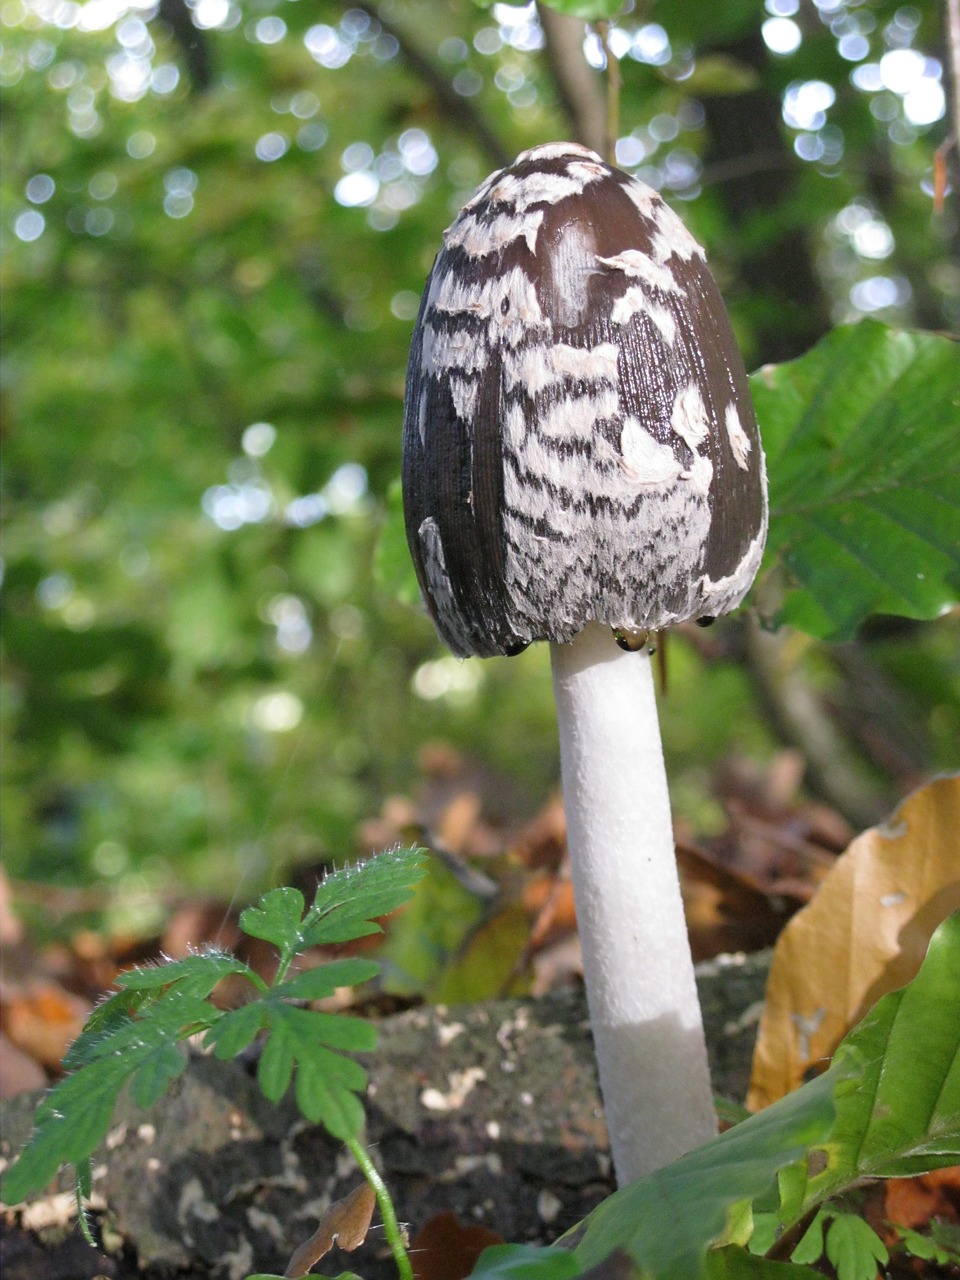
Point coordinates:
[(581, 464)]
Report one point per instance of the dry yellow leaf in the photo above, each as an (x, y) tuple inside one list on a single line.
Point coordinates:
[(864, 933)]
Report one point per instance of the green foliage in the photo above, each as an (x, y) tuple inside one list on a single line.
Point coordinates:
[(864, 506), (941, 1246), (850, 1244), (193, 702), (135, 1037), (879, 1110)]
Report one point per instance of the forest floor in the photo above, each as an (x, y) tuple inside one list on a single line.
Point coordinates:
[(497, 1134)]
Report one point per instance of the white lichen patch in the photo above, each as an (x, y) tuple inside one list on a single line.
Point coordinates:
[(240, 1262), (448, 1032), (192, 1203), (462, 1084), (548, 1206)]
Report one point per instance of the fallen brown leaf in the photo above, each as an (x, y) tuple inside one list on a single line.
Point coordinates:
[(864, 933), (42, 1019), (345, 1224)]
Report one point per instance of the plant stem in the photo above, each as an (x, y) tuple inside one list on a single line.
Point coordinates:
[(387, 1212), (644, 1009)]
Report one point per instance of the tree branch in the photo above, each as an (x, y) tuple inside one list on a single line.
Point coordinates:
[(579, 88), (453, 105)]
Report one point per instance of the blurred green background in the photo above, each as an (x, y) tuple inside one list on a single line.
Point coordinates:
[(217, 219)]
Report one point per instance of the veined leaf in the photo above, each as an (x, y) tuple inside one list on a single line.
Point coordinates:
[(903, 1117), (860, 436), (348, 901), (668, 1221), (316, 984), (276, 918), (195, 975), (866, 932)]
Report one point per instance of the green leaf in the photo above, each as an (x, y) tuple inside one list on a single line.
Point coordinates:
[(324, 980), (667, 1222), (275, 1068), (854, 1248), (525, 1262), (348, 901), (276, 918), (903, 1117), (922, 1246), (156, 1075), (195, 974), (864, 503), (735, 1263), (235, 1030), (810, 1248), (327, 1085)]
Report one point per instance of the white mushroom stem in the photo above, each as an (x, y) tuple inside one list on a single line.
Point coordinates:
[(641, 992)]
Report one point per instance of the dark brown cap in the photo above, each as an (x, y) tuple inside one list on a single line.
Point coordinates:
[(579, 442)]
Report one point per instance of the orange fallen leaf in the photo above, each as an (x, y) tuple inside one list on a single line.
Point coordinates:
[(912, 1202), (864, 933), (43, 1019), (345, 1223)]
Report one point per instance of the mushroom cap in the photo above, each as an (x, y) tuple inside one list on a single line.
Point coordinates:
[(579, 442)]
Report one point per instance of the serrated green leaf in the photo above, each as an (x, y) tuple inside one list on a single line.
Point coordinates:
[(235, 1030), (194, 974), (275, 1068), (75, 1115), (810, 1248), (326, 1091), (108, 1018), (348, 901), (154, 1078), (864, 504), (919, 1245), (325, 979), (276, 918), (854, 1248)]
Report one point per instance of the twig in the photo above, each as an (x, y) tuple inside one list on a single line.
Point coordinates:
[(578, 85), (453, 105), (613, 92)]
